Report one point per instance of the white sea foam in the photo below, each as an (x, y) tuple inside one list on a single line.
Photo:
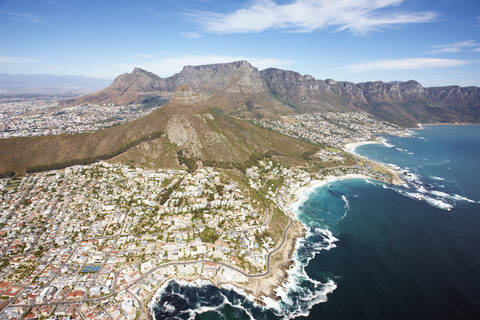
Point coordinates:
[(227, 301), (386, 143), (415, 195), (198, 308), (421, 189), (462, 198), (328, 238), (439, 203), (347, 206), (170, 308), (430, 200), (193, 313), (437, 178), (440, 194), (411, 177), (306, 298), (157, 294)]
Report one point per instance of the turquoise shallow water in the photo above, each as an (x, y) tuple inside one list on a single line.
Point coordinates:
[(375, 251)]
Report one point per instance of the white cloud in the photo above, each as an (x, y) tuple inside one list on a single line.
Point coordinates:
[(406, 64), (476, 49), (23, 16), (6, 59), (191, 35), (453, 47), (358, 16)]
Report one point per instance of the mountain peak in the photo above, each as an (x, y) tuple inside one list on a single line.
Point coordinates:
[(139, 70)]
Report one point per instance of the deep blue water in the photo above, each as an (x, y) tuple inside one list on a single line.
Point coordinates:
[(376, 251)]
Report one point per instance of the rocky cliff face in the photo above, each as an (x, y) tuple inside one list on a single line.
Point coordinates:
[(239, 88), (184, 95), (236, 77), (405, 103), (306, 94)]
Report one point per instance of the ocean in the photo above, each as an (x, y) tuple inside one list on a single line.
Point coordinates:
[(375, 251)]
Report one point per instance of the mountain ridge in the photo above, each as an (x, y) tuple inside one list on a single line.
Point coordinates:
[(184, 133), (242, 90)]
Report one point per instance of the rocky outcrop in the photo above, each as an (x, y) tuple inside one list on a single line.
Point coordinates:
[(184, 95)]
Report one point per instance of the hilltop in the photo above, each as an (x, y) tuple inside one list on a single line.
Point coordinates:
[(185, 133), (242, 90)]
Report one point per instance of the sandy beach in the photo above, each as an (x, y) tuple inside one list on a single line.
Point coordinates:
[(350, 147), (302, 194)]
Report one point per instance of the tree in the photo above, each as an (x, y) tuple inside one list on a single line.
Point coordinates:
[(208, 235)]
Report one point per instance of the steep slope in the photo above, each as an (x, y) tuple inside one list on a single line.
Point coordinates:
[(184, 131), (306, 94)]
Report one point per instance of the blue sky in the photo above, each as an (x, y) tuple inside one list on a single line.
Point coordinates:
[(435, 42)]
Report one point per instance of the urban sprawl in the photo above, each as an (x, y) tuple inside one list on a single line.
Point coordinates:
[(98, 241), (37, 117)]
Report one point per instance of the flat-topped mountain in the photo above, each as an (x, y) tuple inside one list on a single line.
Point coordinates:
[(244, 91)]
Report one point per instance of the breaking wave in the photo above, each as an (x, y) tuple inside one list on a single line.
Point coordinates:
[(347, 206)]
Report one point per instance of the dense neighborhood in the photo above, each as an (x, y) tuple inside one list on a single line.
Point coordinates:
[(20, 117)]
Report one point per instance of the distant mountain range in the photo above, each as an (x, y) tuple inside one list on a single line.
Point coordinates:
[(242, 90), (45, 84)]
